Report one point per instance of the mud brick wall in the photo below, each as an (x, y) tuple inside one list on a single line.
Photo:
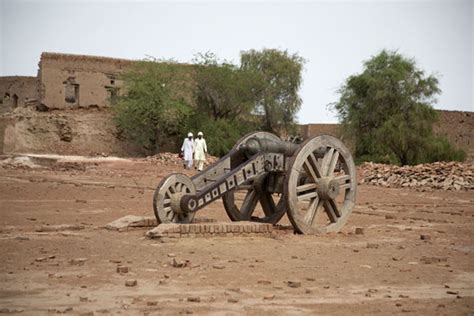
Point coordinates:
[(17, 91), (87, 80), (458, 127)]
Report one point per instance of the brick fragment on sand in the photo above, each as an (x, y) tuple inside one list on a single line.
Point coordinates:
[(122, 269), (131, 283), (359, 231)]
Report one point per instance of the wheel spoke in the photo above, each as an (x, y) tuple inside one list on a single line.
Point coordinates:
[(332, 210), (249, 203), (326, 161), (315, 164), (310, 171), (312, 210), (166, 201), (342, 179), (307, 196), (306, 187), (333, 163)]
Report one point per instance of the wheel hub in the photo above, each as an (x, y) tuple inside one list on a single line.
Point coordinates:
[(328, 188)]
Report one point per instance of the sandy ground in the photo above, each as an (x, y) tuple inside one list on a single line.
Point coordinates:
[(387, 270)]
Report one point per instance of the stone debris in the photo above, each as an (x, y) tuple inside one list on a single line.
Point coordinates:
[(213, 229), (194, 299), (430, 260), (359, 231), (434, 176), (131, 283), (294, 284), (59, 228), (78, 261), (180, 264), (167, 158), (131, 221), (122, 269)]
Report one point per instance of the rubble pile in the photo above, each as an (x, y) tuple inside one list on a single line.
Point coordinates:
[(174, 159), (438, 175)]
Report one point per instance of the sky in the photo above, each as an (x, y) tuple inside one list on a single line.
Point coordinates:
[(334, 37)]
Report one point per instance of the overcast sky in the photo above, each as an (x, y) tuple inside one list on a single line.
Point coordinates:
[(335, 37)]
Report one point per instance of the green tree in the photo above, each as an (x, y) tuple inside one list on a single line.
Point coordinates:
[(149, 112), (278, 101), (223, 90), (387, 111)]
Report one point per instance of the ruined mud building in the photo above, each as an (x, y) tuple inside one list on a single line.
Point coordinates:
[(77, 91)]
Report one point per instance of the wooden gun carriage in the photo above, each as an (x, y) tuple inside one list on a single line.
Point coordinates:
[(313, 182)]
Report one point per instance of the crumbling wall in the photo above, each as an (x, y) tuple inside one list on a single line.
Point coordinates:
[(17, 91), (458, 127), (73, 81), (79, 132)]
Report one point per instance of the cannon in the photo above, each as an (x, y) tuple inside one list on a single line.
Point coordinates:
[(262, 177)]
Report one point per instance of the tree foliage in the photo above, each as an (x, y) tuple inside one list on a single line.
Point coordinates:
[(148, 111), (224, 91), (387, 111), (164, 100), (278, 101)]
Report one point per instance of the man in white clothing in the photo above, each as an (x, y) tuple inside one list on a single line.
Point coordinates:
[(187, 150), (200, 150)]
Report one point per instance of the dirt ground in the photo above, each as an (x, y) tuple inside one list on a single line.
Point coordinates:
[(387, 270)]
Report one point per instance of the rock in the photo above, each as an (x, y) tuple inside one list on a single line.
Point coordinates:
[(179, 264), (425, 237), (372, 245), (269, 297), (390, 217), (232, 300), (294, 284), (452, 292), (83, 299), (130, 222), (171, 255), (194, 299), (78, 261), (218, 266), (41, 259), (359, 231), (58, 228), (131, 283), (81, 201), (122, 269), (430, 260), (265, 282)]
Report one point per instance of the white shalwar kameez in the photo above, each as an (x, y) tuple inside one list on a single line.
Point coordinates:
[(200, 150), (188, 149)]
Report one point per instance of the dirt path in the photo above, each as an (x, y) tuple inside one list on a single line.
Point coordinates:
[(387, 270)]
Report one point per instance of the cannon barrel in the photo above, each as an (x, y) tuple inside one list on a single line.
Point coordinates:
[(256, 145)]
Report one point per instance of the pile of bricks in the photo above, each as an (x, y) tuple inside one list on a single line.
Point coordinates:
[(211, 230), (433, 176)]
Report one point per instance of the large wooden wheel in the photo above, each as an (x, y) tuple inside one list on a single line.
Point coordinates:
[(320, 186), (167, 197), (251, 193)]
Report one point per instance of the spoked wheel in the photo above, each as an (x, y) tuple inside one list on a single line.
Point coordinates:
[(241, 203), (252, 193), (320, 186), (166, 200)]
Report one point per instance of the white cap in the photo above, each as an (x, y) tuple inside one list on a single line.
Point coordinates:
[(190, 134), (200, 134)]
